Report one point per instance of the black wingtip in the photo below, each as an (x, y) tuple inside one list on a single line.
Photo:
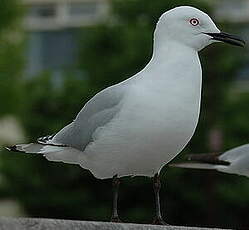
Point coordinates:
[(12, 148)]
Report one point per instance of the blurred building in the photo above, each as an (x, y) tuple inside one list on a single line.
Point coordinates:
[(52, 25), (234, 11)]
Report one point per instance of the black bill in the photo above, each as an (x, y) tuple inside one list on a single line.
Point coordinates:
[(227, 38)]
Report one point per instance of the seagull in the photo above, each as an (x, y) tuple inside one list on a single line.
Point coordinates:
[(233, 161), (136, 127)]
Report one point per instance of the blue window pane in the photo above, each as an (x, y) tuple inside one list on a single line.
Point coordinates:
[(52, 50)]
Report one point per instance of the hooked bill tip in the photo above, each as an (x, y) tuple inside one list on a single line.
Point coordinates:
[(227, 38)]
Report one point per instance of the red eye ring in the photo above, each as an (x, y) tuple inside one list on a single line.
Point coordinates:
[(194, 22)]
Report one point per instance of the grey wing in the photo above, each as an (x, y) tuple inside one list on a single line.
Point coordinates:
[(235, 153), (96, 113)]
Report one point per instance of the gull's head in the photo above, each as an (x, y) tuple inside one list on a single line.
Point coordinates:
[(191, 27)]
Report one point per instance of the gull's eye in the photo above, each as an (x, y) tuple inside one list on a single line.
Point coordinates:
[(194, 22)]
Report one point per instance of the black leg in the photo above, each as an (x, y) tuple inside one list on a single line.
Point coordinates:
[(158, 220), (115, 185)]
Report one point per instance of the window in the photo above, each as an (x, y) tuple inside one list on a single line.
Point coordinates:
[(83, 8), (51, 51), (42, 11)]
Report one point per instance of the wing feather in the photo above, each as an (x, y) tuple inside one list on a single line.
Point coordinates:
[(97, 112)]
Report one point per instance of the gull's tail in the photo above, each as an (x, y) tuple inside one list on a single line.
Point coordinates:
[(52, 151), (202, 161)]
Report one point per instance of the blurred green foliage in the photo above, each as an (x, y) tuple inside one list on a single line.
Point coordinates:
[(11, 60), (110, 53)]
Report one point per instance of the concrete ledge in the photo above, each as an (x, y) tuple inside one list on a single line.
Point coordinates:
[(55, 224)]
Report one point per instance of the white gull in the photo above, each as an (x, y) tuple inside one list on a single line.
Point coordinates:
[(136, 127)]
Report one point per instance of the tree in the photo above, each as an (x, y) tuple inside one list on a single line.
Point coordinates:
[(11, 60)]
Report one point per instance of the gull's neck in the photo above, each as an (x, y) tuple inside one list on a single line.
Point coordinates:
[(170, 50), (172, 61)]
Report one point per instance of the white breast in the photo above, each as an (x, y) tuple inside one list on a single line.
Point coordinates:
[(157, 119)]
